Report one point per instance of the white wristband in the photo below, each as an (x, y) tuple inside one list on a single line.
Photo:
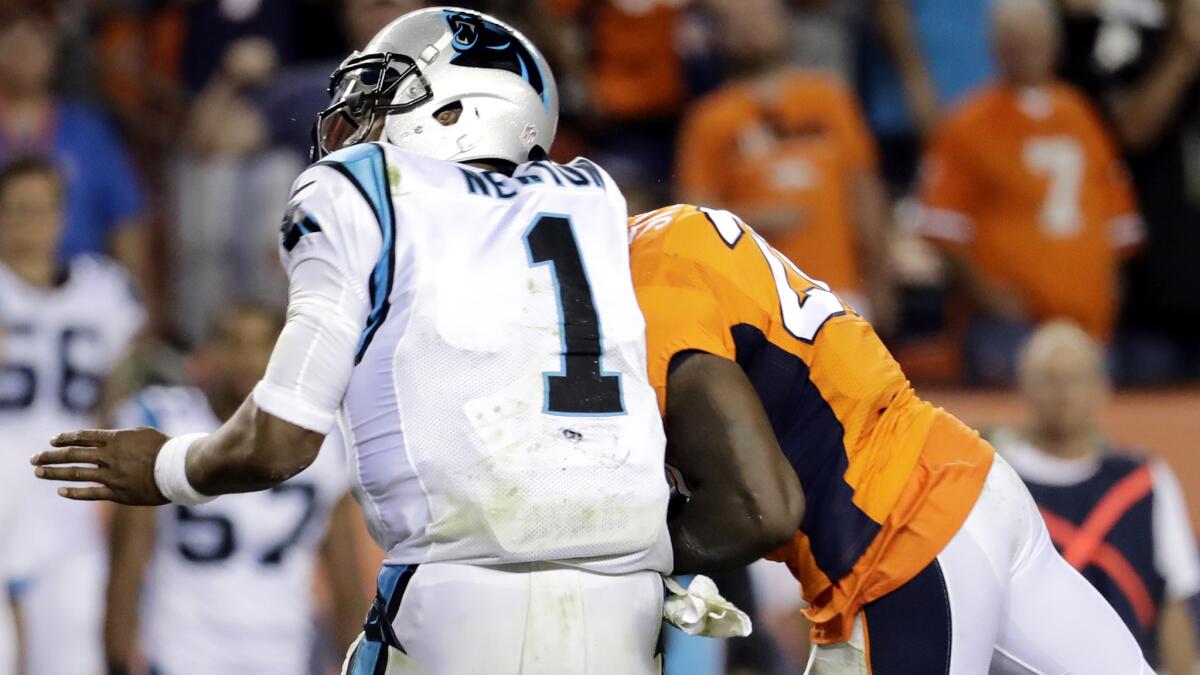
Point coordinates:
[(170, 471)]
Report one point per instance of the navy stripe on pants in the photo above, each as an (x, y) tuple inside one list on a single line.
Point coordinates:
[(908, 630)]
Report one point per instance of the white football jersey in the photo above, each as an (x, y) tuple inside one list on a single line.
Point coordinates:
[(229, 588), (499, 409), (58, 346)]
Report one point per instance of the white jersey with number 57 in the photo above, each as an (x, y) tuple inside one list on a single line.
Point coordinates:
[(229, 586), (498, 408)]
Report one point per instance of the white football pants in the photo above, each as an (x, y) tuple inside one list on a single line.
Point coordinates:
[(530, 619), (999, 599)]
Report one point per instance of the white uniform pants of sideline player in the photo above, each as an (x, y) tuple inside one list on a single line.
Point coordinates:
[(998, 599), (529, 619)]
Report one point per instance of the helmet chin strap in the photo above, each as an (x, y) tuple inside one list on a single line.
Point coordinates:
[(431, 51)]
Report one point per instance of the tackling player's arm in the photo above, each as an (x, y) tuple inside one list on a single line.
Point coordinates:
[(277, 431), (745, 499)]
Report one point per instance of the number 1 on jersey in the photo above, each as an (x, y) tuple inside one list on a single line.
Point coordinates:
[(581, 387)]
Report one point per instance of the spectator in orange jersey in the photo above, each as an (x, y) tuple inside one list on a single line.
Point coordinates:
[(1118, 518), (788, 148), (1026, 198)]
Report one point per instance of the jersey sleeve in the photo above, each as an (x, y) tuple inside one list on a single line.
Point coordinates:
[(946, 189), (1175, 553), (337, 232), (332, 462)]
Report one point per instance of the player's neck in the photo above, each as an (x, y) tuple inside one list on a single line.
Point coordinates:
[(1064, 445), (35, 272)]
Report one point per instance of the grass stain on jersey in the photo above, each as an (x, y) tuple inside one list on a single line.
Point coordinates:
[(393, 175)]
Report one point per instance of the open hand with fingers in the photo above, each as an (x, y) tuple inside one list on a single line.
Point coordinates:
[(120, 461)]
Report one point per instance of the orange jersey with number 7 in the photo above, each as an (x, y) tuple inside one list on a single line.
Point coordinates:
[(1029, 188), (888, 478)]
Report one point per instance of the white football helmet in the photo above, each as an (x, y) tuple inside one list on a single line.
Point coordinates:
[(438, 59)]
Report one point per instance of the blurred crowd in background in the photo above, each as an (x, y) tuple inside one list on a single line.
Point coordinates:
[(961, 171), (959, 174)]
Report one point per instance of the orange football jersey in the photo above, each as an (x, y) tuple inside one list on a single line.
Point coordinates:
[(888, 478), (1029, 186), (799, 144)]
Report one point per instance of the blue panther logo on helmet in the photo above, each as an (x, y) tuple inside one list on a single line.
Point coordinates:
[(479, 43)]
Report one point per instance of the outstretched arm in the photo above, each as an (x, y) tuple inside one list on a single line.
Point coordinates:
[(745, 498), (276, 433), (252, 451)]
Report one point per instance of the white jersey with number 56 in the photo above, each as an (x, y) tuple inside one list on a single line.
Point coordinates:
[(498, 408), (57, 345)]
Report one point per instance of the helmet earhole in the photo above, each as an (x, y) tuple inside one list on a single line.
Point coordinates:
[(449, 114)]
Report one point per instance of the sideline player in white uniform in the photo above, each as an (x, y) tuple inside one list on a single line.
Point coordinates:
[(228, 586), (65, 330), (474, 321)]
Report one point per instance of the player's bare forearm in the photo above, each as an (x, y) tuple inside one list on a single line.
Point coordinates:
[(746, 500), (252, 451), (713, 534)]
